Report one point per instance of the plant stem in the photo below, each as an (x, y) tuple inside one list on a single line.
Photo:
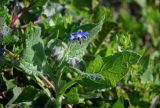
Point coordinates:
[(59, 77), (16, 17), (48, 82), (60, 65), (59, 102), (24, 26), (10, 53), (61, 91)]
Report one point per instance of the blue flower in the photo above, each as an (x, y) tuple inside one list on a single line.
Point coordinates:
[(78, 35)]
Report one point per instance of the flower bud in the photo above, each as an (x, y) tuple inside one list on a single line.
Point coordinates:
[(58, 52), (74, 62)]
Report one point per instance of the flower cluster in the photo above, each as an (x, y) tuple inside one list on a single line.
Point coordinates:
[(78, 35)]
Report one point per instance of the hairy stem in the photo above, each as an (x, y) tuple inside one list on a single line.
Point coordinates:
[(47, 82), (10, 53)]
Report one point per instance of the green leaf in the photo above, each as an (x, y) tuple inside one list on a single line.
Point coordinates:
[(91, 95), (95, 65), (39, 3), (147, 76), (142, 3), (118, 104), (1, 106), (4, 2), (90, 80), (33, 59), (117, 66), (40, 100), (100, 42), (129, 23), (10, 83), (5, 30), (25, 105), (10, 39), (78, 50), (114, 68), (104, 105), (82, 4), (93, 84), (72, 96), (157, 80), (124, 40), (22, 95), (27, 94), (3, 14), (36, 4), (91, 76), (16, 92), (100, 12)]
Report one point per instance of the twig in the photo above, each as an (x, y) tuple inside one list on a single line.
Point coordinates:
[(48, 82), (10, 53), (35, 22), (16, 17), (155, 101)]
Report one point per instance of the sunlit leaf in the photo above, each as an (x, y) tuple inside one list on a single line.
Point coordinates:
[(33, 59), (72, 96), (78, 50)]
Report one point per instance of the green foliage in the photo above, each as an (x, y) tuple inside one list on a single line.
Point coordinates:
[(33, 59), (4, 2), (112, 69), (116, 66), (27, 94), (118, 104), (9, 39), (73, 96), (95, 65), (82, 5), (78, 50), (147, 76)]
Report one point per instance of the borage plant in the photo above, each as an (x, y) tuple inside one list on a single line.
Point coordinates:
[(64, 63), (67, 60)]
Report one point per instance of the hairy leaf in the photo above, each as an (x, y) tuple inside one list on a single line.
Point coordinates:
[(114, 68), (117, 66), (33, 59), (95, 65), (78, 50)]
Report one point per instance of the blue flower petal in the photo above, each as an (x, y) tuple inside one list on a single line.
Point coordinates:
[(78, 35), (72, 37)]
